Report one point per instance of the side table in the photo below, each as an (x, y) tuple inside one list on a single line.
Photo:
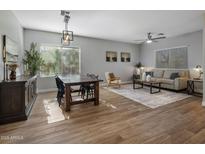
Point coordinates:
[(190, 86)]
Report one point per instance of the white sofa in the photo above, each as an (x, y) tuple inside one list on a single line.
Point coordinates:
[(163, 75)]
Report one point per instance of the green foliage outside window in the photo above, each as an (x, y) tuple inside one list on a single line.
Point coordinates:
[(59, 60)]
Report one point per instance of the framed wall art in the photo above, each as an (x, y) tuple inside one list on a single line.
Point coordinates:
[(172, 58), (11, 50), (125, 57), (111, 56)]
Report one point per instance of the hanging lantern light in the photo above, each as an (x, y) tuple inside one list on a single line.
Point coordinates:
[(67, 35)]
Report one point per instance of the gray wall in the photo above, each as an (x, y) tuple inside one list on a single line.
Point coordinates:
[(92, 55), (192, 40), (10, 26)]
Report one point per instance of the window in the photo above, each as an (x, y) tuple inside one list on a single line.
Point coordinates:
[(59, 60)]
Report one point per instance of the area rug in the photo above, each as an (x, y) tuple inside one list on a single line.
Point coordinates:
[(144, 97), (54, 112)]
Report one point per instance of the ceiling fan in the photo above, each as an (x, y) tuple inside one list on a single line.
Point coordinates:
[(151, 39)]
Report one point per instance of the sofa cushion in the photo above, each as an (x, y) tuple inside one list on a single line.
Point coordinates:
[(156, 79), (158, 73), (167, 81), (174, 76), (167, 73), (182, 73)]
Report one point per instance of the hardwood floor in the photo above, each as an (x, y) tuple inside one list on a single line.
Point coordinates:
[(116, 120)]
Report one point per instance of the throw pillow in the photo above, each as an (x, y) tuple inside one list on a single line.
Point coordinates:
[(168, 73), (149, 73), (174, 76)]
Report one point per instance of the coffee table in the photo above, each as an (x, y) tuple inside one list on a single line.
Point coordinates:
[(151, 84)]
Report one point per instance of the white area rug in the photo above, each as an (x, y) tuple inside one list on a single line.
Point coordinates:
[(54, 112), (144, 97)]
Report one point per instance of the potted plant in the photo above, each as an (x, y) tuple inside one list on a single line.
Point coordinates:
[(32, 59), (138, 65)]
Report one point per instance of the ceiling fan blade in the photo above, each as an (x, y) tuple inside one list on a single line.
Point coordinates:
[(139, 40), (157, 38)]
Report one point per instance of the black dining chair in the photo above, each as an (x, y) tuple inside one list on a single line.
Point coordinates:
[(61, 89), (88, 89), (92, 86)]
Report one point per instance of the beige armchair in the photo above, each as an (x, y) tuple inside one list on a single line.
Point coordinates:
[(112, 80)]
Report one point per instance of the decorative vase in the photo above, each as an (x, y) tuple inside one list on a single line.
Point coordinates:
[(148, 78), (12, 68), (144, 77), (13, 75)]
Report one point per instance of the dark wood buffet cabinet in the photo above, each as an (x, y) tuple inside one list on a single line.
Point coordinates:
[(17, 98)]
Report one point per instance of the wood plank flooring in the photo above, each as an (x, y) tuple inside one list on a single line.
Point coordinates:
[(116, 120)]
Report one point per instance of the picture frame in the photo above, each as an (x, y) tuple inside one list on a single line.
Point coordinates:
[(174, 58), (111, 56), (11, 50), (125, 57)]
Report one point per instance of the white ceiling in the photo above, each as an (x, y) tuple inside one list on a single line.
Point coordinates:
[(125, 26)]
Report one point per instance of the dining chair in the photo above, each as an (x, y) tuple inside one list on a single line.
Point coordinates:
[(88, 89), (61, 89)]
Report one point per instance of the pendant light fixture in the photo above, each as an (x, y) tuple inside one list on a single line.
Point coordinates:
[(67, 35)]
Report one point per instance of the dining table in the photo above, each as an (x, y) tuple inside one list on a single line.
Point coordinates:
[(78, 80)]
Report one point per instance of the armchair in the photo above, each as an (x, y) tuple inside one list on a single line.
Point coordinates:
[(112, 80)]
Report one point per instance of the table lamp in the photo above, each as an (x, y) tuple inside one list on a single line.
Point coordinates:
[(199, 68)]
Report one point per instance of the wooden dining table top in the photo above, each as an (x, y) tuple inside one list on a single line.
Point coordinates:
[(77, 79)]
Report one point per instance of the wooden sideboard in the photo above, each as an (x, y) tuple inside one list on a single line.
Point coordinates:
[(17, 98)]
